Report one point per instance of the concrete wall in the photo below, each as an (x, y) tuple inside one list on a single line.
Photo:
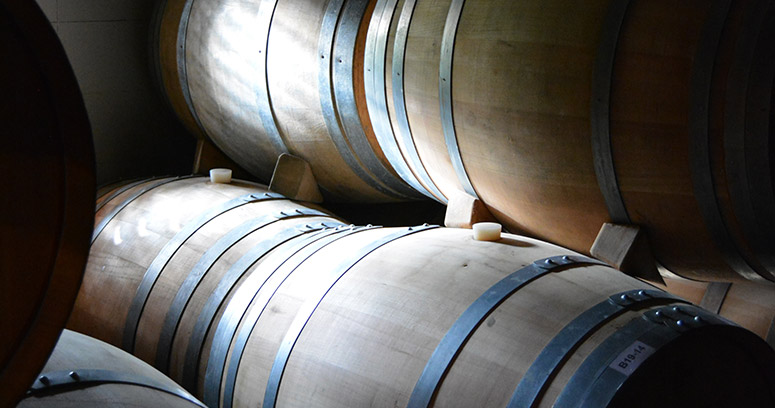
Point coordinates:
[(107, 42)]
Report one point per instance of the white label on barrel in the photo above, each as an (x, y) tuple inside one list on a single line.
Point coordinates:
[(628, 360)]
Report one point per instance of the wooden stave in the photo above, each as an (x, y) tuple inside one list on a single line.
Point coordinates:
[(366, 177), (518, 204), (51, 179), (79, 353)]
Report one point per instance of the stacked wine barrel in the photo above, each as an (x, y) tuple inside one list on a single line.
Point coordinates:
[(558, 117), (247, 298), (46, 209)]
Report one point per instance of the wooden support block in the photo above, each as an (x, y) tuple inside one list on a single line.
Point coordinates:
[(293, 178), (463, 211), (208, 156), (625, 247), (714, 296)]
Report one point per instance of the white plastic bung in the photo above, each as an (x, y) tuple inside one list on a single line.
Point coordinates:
[(222, 176), (487, 231)]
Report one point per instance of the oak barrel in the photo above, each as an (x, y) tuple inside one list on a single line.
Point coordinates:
[(371, 316), (652, 113), (155, 236), (85, 372), (561, 117), (262, 78), (47, 199)]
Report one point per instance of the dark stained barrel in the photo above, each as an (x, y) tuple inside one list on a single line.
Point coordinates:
[(47, 200)]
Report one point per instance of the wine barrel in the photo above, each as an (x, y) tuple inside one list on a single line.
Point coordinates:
[(263, 78), (370, 316), (414, 316), (48, 183), (85, 372), (155, 236), (561, 117)]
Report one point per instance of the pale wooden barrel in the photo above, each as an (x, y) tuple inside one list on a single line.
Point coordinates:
[(85, 372), (262, 78), (46, 204), (153, 237), (561, 117), (371, 316), (423, 315)]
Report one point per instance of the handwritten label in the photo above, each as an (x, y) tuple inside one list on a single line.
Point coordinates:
[(632, 357)]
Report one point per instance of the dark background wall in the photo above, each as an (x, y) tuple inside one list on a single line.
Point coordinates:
[(107, 42)]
